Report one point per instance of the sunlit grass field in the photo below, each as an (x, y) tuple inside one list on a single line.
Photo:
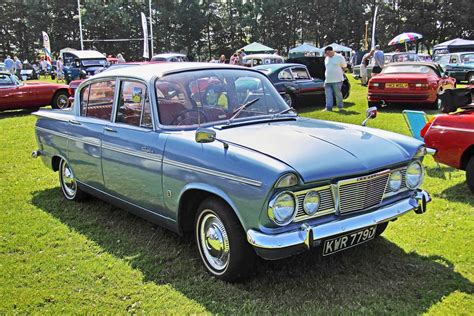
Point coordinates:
[(58, 257)]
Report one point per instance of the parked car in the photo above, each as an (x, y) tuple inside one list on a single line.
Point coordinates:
[(170, 57), (233, 164), (295, 84), (253, 60), (80, 64), (461, 66), (452, 135), (28, 72), (15, 94), (388, 59), (409, 82)]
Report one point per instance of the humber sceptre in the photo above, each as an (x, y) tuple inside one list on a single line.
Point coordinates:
[(215, 151)]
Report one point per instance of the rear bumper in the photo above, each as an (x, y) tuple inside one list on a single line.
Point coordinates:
[(282, 245), (402, 98)]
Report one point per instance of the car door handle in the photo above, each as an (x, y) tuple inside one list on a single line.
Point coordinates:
[(147, 149), (109, 129), (75, 122)]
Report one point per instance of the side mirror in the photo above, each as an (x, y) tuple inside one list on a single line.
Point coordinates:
[(371, 113), (205, 135)]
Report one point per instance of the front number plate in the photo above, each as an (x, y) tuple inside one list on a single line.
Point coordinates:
[(349, 240)]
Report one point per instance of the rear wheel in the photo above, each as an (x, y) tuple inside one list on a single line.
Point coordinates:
[(470, 174), (290, 99), (470, 78), (60, 100), (221, 242), (68, 183)]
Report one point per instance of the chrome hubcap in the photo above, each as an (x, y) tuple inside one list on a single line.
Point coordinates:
[(214, 241), (62, 101), (68, 181), (287, 99)]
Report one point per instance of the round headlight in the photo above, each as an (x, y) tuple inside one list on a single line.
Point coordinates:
[(282, 208), (414, 175), (395, 182), (311, 202)]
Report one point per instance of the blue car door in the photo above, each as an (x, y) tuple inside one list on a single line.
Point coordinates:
[(86, 129), (132, 150)]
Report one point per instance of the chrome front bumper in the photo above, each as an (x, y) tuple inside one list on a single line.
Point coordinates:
[(289, 243)]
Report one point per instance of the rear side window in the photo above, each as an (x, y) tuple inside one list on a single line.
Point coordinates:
[(97, 100), (134, 105)]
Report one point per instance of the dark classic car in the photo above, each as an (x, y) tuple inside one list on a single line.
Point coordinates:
[(213, 150), (170, 57), (15, 94), (253, 60), (80, 64), (409, 82), (295, 84), (458, 65)]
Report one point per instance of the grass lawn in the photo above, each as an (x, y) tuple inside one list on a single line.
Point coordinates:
[(59, 257)]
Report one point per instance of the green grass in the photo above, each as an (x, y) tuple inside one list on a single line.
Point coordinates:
[(59, 257)]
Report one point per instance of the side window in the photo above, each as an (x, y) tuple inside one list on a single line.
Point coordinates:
[(285, 75), (171, 101), (134, 105), (100, 98), (454, 59), (5, 80)]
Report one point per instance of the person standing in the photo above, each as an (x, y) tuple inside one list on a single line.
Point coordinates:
[(335, 66), (59, 69), (379, 59), (9, 64), (222, 59), (363, 67), (120, 59), (234, 60), (43, 67), (18, 66), (241, 56)]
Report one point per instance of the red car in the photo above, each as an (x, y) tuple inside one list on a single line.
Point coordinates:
[(409, 82), (15, 94), (452, 135)]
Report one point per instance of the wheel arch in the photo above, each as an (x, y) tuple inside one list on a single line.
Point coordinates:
[(191, 197), (466, 156)]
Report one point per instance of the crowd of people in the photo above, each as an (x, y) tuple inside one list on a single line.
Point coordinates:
[(15, 66)]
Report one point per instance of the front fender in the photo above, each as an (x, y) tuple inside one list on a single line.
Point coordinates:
[(214, 190)]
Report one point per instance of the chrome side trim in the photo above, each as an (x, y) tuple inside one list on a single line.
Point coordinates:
[(85, 140), (154, 157), (453, 129), (213, 172), (306, 235)]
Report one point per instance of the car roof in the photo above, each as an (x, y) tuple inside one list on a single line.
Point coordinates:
[(277, 67), (85, 54), (263, 56), (432, 65), (168, 55), (148, 71)]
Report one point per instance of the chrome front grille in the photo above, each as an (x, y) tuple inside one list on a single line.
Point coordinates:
[(363, 192), (326, 206)]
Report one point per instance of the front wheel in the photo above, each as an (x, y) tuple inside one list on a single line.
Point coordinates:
[(470, 78), (221, 242), (60, 100), (68, 183), (290, 99), (470, 174)]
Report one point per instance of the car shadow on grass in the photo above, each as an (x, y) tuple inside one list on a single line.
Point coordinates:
[(440, 171), (16, 113), (375, 277), (458, 193)]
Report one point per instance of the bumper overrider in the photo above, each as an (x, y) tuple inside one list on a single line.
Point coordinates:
[(285, 244)]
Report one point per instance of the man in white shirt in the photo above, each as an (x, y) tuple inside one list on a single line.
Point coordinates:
[(335, 65)]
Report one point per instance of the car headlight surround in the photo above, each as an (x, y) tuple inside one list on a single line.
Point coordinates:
[(282, 208), (395, 181), (311, 202), (414, 175), (287, 180)]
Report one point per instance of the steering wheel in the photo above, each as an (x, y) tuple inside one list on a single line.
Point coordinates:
[(185, 116)]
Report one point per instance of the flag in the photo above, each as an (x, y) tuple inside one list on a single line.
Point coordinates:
[(146, 53), (373, 27), (47, 48)]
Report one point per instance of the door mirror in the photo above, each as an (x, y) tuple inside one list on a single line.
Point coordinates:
[(205, 135), (371, 113)]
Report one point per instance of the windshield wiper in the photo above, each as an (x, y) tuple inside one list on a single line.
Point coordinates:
[(285, 111), (241, 108)]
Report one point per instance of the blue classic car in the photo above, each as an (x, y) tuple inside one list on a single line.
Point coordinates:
[(295, 84), (458, 65), (213, 150), (79, 64)]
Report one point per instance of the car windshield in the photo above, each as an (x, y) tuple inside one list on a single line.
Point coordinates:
[(468, 58), (410, 69), (208, 96), (405, 57), (94, 62)]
